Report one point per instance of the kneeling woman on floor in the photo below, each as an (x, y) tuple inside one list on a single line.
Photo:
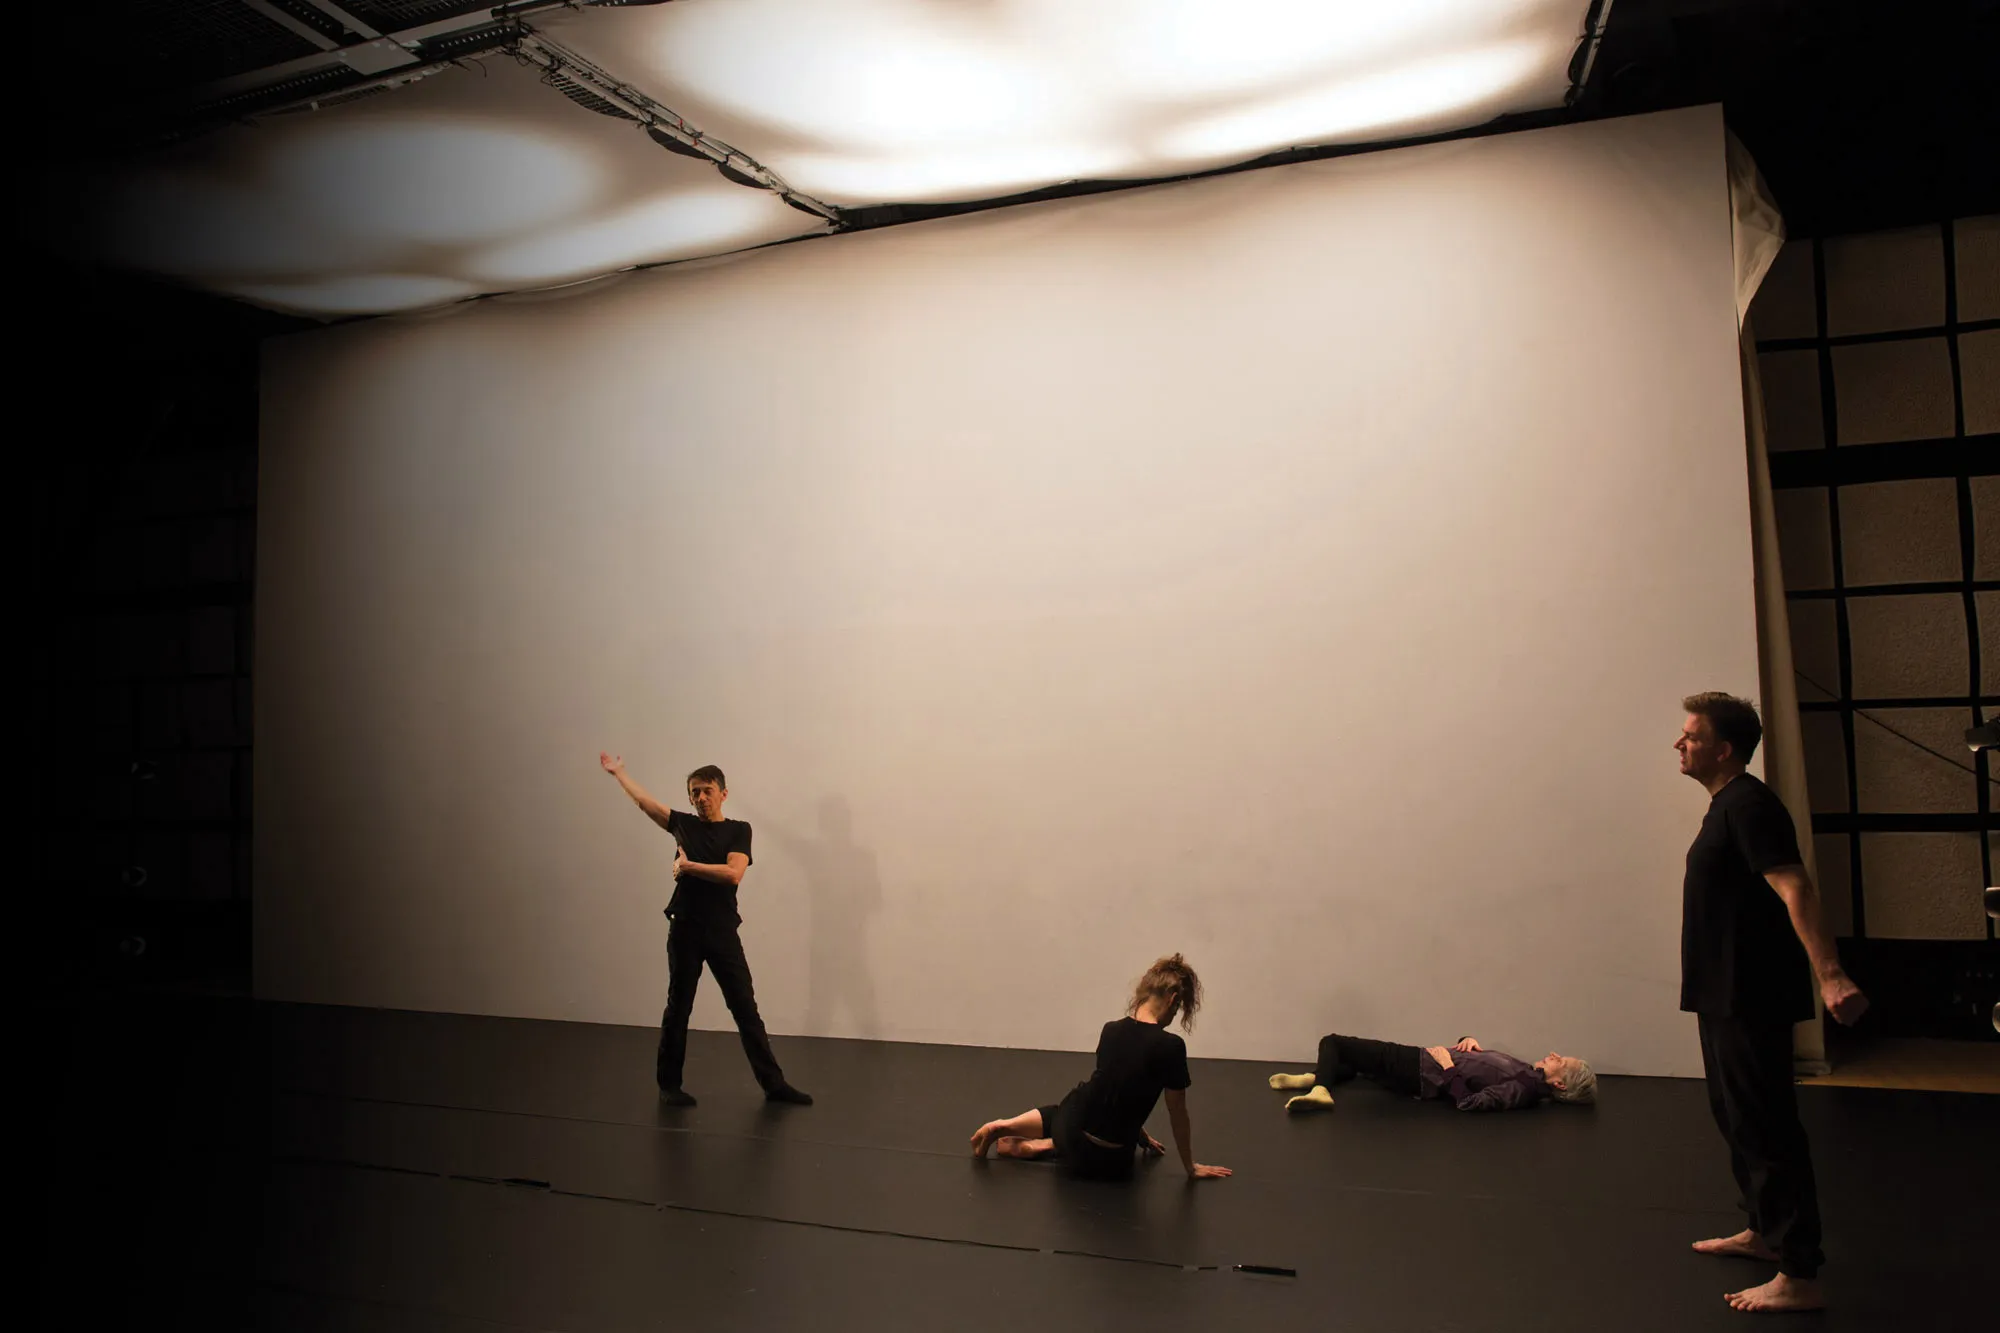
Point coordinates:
[(1100, 1126)]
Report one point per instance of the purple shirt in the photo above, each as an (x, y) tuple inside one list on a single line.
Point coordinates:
[(1482, 1080)]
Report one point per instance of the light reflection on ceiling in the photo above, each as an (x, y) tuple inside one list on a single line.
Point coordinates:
[(481, 179)]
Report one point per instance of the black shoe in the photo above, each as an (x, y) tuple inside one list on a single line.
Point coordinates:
[(675, 1097), (788, 1094)]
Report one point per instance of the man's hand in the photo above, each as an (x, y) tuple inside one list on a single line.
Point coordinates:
[(1153, 1145), (1201, 1172), (1441, 1055), (1467, 1044), (613, 764), (1842, 998), (680, 860)]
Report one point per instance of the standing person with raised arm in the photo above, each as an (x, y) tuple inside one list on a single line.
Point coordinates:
[(1752, 943), (711, 856)]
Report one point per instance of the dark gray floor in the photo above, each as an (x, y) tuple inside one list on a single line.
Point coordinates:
[(216, 1165)]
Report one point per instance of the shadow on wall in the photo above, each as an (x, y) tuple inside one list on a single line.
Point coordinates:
[(844, 891)]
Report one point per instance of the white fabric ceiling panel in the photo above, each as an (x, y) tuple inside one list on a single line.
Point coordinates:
[(482, 178), (477, 179), (872, 101)]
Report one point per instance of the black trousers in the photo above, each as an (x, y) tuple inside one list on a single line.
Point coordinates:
[(1749, 1069), (1075, 1151), (690, 944), (1385, 1062)]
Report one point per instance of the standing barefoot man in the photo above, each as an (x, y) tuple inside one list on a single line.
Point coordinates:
[(710, 857), (1750, 930)]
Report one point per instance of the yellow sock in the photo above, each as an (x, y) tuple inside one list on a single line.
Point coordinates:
[(1317, 1099), (1292, 1082)]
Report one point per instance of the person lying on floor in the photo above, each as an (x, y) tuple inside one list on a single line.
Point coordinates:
[(1467, 1074), (1098, 1128)]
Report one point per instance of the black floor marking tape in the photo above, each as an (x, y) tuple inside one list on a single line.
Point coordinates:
[(666, 1205)]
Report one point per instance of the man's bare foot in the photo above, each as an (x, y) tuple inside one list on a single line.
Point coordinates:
[(981, 1137), (1780, 1295), (1744, 1244), (1319, 1099), (1293, 1082)]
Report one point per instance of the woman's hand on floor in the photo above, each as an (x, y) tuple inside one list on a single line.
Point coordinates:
[(1201, 1172), (1154, 1146)]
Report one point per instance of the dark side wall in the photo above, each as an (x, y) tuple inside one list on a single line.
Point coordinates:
[(142, 554)]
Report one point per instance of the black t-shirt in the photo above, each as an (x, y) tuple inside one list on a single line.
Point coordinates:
[(1740, 956), (1135, 1061), (706, 844)]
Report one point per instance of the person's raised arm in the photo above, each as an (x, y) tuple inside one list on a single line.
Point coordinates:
[(1184, 1138), (1837, 991), (615, 766)]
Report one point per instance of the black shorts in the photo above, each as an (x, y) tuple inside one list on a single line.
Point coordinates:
[(1076, 1151)]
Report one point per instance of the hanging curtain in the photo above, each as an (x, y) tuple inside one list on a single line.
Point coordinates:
[(1757, 233)]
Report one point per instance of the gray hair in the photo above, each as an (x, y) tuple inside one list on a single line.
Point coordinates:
[(1581, 1088)]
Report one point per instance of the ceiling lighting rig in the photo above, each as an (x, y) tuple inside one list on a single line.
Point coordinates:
[(587, 85), (354, 59)]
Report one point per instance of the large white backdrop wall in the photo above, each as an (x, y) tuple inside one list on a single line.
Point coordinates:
[(1299, 568)]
